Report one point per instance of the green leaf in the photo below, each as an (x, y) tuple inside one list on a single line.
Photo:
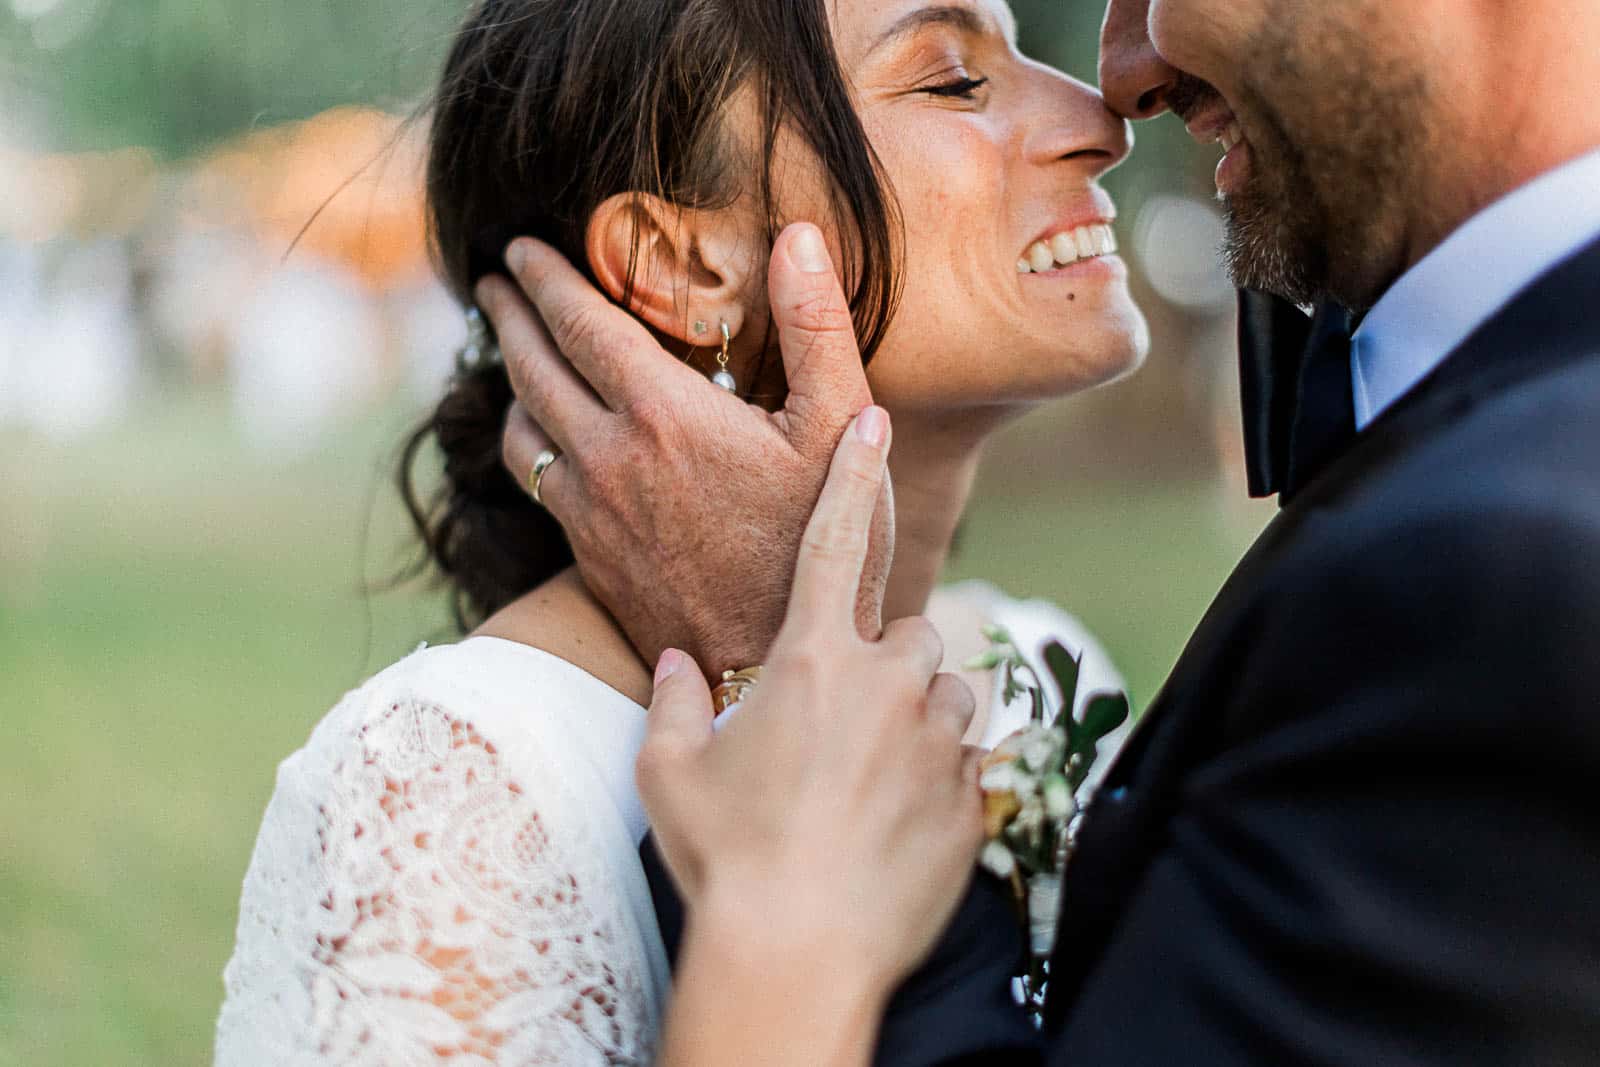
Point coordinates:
[(1064, 667), (1106, 712)]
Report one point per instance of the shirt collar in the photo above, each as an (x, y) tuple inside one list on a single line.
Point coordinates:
[(1476, 271)]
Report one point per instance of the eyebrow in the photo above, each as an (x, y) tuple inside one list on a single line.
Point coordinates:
[(963, 19)]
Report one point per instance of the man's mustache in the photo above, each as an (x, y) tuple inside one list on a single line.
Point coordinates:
[(1189, 94)]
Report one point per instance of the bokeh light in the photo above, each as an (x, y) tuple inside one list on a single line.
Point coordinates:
[(217, 319)]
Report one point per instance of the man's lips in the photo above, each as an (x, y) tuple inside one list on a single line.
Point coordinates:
[(1217, 124), (1234, 169)]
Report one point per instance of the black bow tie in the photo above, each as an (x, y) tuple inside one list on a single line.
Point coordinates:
[(1299, 403)]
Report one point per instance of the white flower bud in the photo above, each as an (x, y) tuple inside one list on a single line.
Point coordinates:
[(983, 661), (1042, 749), (998, 860), (1000, 778), (1058, 801), (1011, 746)]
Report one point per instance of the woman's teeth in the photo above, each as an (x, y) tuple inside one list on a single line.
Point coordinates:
[(1065, 249), (1230, 137)]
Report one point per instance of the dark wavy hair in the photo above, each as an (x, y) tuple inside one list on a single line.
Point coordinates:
[(546, 109)]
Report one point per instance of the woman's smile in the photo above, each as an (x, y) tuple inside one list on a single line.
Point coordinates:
[(1080, 245), (1001, 182)]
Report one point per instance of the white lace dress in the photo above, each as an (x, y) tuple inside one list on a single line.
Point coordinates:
[(448, 870)]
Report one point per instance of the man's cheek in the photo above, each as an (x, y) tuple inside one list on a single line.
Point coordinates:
[(1203, 37)]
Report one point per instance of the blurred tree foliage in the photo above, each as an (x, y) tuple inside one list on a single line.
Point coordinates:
[(178, 75)]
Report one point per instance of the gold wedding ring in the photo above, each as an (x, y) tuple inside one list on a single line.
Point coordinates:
[(541, 465)]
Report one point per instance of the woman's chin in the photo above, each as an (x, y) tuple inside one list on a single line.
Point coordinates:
[(1111, 349), (1132, 347), (1041, 359), (1098, 330)]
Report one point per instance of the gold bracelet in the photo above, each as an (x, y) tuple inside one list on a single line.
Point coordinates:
[(735, 686)]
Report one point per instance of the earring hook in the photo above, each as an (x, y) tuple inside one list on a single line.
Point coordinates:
[(722, 377)]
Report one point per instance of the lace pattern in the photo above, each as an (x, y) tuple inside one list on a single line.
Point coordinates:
[(448, 870), (412, 900)]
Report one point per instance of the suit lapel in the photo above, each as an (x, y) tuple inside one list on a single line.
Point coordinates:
[(1550, 324)]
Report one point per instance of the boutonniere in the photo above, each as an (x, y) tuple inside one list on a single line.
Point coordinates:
[(1031, 783)]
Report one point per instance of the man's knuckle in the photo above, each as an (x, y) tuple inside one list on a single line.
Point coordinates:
[(574, 325), (653, 422), (821, 312)]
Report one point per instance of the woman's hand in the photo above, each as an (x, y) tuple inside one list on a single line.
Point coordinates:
[(684, 505), (823, 839)]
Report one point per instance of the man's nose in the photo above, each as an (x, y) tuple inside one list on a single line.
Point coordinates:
[(1133, 76)]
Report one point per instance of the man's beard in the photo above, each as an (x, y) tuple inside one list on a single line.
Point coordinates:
[(1335, 145), (1278, 231)]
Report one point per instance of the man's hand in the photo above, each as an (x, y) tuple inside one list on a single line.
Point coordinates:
[(684, 506), (823, 839)]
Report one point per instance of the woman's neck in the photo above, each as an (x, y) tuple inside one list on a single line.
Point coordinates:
[(933, 471), (563, 618), (933, 466)]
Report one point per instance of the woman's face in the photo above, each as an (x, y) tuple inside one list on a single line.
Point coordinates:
[(1010, 297)]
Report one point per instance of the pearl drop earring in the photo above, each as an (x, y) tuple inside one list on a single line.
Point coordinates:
[(722, 377)]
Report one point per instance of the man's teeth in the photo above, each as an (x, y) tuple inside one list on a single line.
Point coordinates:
[(1230, 137), (1065, 249)]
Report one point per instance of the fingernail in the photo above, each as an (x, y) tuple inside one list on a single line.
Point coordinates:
[(809, 251), (517, 255), (670, 663), (872, 426)]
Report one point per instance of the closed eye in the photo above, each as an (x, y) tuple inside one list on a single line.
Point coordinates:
[(965, 89)]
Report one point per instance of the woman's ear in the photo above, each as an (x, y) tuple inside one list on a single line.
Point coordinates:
[(687, 266)]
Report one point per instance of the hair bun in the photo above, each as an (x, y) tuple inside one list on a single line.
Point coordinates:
[(481, 529)]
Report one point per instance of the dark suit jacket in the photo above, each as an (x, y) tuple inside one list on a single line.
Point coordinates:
[(1360, 824)]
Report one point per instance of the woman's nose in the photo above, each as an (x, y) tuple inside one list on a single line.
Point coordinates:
[(1134, 78)]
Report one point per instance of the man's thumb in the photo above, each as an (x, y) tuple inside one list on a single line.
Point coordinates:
[(821, 358)]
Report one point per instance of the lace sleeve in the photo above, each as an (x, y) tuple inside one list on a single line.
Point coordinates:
[(412, 901)]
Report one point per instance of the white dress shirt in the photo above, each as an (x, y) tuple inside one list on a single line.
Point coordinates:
[(1476, 271)]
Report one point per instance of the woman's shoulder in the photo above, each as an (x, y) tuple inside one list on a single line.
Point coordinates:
[(538, 719), (483, 667), (487, 679), (500, 838)]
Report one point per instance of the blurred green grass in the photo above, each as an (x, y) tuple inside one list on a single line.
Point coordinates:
[(175, 615)]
